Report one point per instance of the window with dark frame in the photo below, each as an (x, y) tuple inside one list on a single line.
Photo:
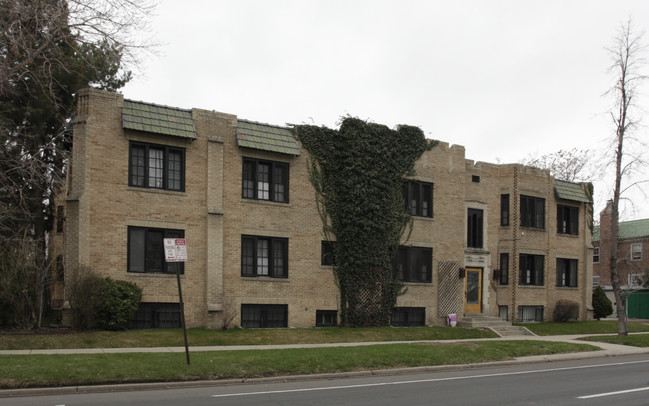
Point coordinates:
[(408, 316), (531, 270), (326, 318), (157, 315), (504, 268), (504, 210), (264, 316), (474, 228), (264, 256), (146, 250), (327, 253), (418, 198), (265, 180), (532, 212), (567, 220), (413, 264), (528, 314), (156, 166), (566, 272)]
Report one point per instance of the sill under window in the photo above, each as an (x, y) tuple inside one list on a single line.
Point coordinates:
[(415, 217), (265, 202), (156, 274), (156, 191), (264, 278), (528, 228)]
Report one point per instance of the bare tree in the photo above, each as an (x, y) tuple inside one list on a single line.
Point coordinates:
[(627, 66), (569, 165), (36, 35), (48, 50)]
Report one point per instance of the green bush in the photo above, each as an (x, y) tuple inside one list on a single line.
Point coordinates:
[(119, 302), (602, 306), (566, 310)]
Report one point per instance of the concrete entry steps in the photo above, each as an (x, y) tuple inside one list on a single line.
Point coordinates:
[(496, 324)]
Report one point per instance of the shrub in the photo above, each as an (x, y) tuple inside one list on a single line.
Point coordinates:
[(119, 302), (84, 296), (602, 306), (566, 310)]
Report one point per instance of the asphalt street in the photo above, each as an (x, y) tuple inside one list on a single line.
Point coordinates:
[(592, 382)]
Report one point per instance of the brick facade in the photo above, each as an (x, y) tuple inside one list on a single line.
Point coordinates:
[(100, 206), (631, 235)]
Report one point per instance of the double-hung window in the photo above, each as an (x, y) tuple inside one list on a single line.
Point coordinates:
[(636, 251), (567, 272), (146, 250), (418, 198), (474, 228), (531, 270), (413, 264), (567, 220), (265, 180), (596, 255), (156, 166), (264, 256), (532, 212)]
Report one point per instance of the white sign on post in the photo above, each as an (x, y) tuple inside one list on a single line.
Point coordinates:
[(175, 250)]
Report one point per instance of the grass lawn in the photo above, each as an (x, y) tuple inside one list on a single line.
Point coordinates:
[(583, 327), (63, 370), (235, 336), (639, 340)]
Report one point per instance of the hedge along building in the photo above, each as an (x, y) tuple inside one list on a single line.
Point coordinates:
[(490, 239)]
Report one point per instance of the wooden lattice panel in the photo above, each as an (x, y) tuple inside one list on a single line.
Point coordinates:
[(449, 288)]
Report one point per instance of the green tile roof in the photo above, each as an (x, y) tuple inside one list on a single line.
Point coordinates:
[(628, 230), (571, 191), (266, 138), (157, 119)]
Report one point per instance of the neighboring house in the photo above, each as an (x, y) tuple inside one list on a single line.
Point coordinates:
[(498, 240), (633, 263)]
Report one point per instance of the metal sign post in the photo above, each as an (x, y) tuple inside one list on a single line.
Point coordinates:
[(176, 251)]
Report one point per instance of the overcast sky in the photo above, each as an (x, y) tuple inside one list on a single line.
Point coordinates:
[(505, 79)]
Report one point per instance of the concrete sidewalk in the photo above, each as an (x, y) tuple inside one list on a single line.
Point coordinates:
[(606, 348)]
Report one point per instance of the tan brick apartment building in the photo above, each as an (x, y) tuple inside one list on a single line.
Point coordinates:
[(502, 240), (633, 254)]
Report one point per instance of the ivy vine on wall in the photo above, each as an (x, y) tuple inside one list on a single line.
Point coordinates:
[(358, 172)]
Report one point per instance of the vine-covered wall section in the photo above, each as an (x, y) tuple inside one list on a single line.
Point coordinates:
[(358, 172)]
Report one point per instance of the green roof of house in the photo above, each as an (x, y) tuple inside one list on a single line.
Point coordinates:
[(628, 230), (157, 119), (571, 191), (266, 137)]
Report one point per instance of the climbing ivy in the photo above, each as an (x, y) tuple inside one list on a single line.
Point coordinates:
[(358, 173)]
